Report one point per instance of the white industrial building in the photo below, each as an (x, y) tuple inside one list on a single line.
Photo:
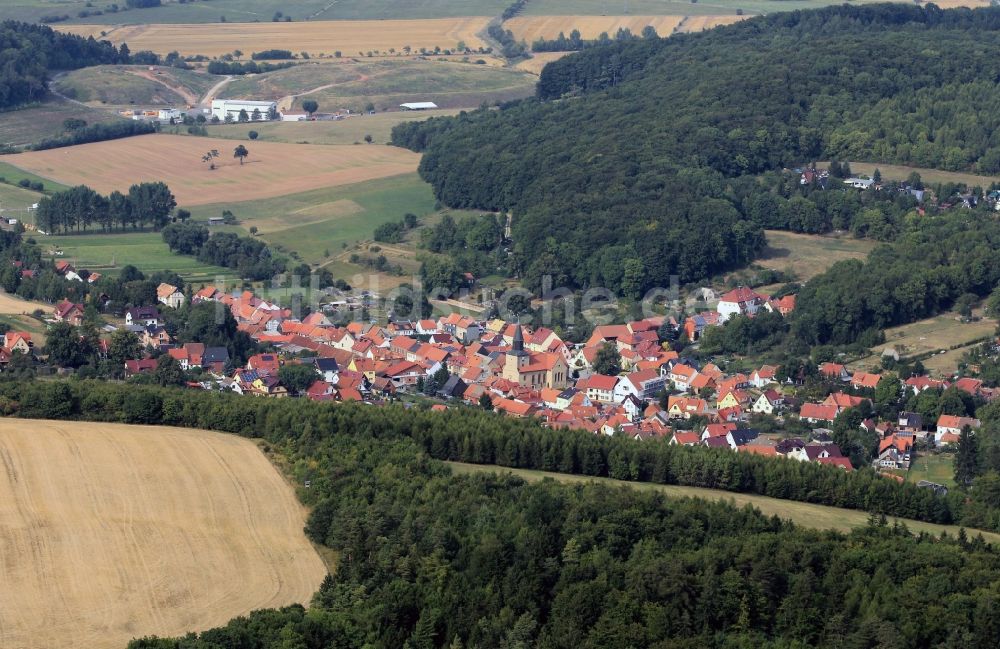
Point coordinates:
[(167, 114), (419, 105), (223, 107)]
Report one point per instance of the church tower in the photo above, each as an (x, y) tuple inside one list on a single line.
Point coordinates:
[(516, 357)]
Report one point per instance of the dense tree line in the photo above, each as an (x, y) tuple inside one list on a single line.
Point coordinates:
[(81, 207), (484, 438), (246, 67), (642, 162), (28, 52), (98, 133), (431, 559), (576, 42), (935, 261), (250, 257)]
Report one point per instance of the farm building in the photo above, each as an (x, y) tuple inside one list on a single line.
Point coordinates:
[(223, 107), (167, 114), (290, 116), (419, 105)]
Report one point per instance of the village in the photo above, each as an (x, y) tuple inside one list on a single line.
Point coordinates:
[(650, 392)]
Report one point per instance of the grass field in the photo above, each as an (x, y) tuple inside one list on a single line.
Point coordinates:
[(12, 174), (135, 84), (114, 531), (933, 468), (804, 514), (14, 202), (272, 169), (144, 250), (346, 131), (933, 334), (808, 255), (531, 28), (898, 172), (30, 125), (385, 83), (314, 37), (324, 220)]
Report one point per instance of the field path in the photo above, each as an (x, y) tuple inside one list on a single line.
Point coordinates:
[(213, 92), (111, 532)]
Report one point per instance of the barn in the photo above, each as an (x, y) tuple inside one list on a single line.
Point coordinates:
[(419, 105)]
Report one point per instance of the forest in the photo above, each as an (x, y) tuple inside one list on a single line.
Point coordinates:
[(631, 150), (28, 52), (431, 559)]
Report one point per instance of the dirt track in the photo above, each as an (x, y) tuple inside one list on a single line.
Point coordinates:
[(109, 532)]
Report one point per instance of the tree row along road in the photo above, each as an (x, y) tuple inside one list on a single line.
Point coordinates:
[(805, 514)]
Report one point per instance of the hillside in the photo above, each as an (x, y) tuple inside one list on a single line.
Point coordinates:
[(653, 129), (135, 84)]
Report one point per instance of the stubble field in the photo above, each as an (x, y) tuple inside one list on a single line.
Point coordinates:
[(327, 37), (113, 532), (272, 168)]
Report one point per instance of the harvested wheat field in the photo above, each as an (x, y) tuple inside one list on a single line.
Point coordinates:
[(13, 305), (319, 37), (701, 23), (109, 532), (539, 60), (531, 28), (272, 168)]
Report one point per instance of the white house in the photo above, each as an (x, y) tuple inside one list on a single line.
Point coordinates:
[(768, 402), (170, 295), (740, 301), (232, 107), (644, 385), (599, 387)]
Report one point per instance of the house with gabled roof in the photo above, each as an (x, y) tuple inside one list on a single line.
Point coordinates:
[(644, 385), (70, 312), (835, 371), (170, 295), (740, 301), (764, 376), (815, 412), (599, 387)]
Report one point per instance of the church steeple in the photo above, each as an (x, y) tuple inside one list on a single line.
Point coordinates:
[(518, 343)]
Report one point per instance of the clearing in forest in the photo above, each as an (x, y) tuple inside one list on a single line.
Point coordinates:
[(272, 168), (112, 532), (808, 255), (350, 37)]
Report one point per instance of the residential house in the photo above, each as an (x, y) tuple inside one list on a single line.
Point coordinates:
[(70, 312), (599, 387), (864, 380), (143, 316), (139, 366), (834, 371), (814, 413), (740, 437), (740, 301), (645, 385), (169, 295), (769, 402), (764, 376)]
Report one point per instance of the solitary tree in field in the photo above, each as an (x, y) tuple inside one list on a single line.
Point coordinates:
[(253, 135), (240, 152), (210, 157), (310, 106), (368, 138)]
